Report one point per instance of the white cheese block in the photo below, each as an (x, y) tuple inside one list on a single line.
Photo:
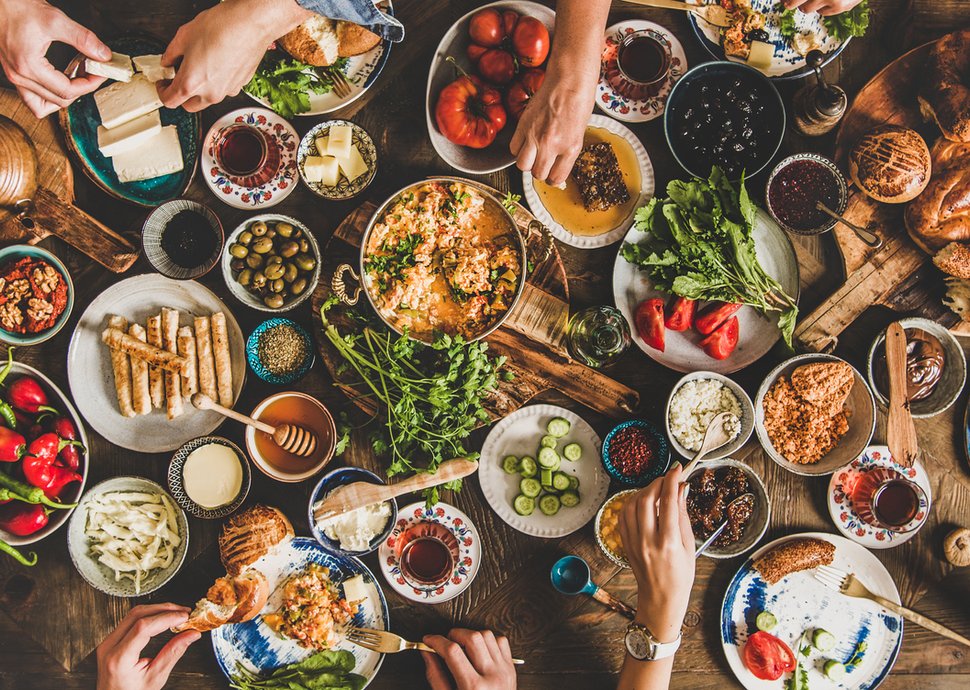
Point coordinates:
[(151, 67), (129, 135), (761, 54), (120, 103), (355, 589), (322, 169), (341, 139), (322, 144), (353, 166), (117, 68), (157, 156)]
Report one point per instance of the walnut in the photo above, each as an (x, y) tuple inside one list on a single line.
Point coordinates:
[(38, 309), (16, 290), (10, 316), (46, 279)]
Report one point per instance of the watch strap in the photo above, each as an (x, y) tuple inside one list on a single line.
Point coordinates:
[(658, 649)]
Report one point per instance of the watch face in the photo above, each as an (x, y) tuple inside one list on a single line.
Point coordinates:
[(637, 644)]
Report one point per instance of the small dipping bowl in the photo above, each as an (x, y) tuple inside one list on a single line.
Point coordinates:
[(746, 416), (176, 479), (571, 575), (291, 407), (326, 485), (796, 184), (652, 470), (952, 379), (259, 367), (154, 228), (13, 254), (598, 526)]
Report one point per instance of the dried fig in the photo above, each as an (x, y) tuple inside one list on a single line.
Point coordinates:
[(956, 547)]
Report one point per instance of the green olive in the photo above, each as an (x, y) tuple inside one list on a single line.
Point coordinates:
[(258, 228), (274, 259), (305, 246), (271, 234), (305, 262), (285, 229), (297, 234), (277, 285), (258, 280), (290, 273), (288, 249), (245, 277), (254, 261), (264, 245), (273, 301), (274, 271), (245, 237), (239, 251), (298, 286), (237, 265)]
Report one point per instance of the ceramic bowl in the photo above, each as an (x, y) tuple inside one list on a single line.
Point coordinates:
[(329, 482), (747, 416), (256, 364), (244, 295), (307, 467), (100, 576), (12, 254), (151, 239), (598, 527), (344, 189), (760, 516), (652, 471), (176, 486), (840, 184), (860, 406), (951, 383)]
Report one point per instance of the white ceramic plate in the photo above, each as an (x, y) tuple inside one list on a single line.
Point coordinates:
[(631, 286), (519, 434), (92, 380), (647, 183), (260, 649), (800, 602)]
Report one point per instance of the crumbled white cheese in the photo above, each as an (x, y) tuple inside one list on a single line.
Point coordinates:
[(693, 407), (355, 530)]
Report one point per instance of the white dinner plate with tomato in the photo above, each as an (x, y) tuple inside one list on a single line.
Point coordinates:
[(800, 604), (683, 351)]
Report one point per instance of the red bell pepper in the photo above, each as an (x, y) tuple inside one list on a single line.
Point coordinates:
[(70, 455), (23, 519), (722, 341), (649, 320), (27, 395), (713, 315), (680, 313), (60, 478), (12, 445), (38, 464)]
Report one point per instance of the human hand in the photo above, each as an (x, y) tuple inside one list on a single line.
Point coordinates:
[(120, 664), (823, 7), (659, 544), (27, 29), (476, 661), (221, 49)]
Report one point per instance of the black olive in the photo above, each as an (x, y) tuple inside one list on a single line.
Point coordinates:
[(743, 107), (747, 133), (738, 147), (758, 35)]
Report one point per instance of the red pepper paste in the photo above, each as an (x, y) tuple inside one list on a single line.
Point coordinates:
[(33, 295), (632, 450)]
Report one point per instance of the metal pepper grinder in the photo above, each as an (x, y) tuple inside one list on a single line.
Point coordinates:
[(818, 107)]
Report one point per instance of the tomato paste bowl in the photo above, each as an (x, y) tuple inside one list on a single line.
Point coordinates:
[(635, 453), (300, 409), (330, 482), (9, 256)]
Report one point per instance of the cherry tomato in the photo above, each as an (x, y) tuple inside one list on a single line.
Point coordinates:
[(530, 41), (486, 28), (469, 113), (475, 51), (497, 66), (680, 313), (767, 657), (522, 90), (509, 19), (649, 320)]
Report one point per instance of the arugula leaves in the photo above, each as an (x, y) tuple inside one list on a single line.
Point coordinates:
[(287, 83), (325, 670)]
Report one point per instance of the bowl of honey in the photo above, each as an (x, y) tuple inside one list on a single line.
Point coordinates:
[(299, 409)]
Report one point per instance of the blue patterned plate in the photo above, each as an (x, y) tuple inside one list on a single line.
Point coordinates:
[(80, 120), (260, 649), (800, 603)]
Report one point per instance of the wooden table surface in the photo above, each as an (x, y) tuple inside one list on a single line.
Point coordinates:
[(53, 620)]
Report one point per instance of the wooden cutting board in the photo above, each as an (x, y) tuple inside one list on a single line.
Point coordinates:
[(898, 275)]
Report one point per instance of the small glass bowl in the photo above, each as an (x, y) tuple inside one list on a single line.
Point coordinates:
[(843, 192), (655, 469), (598, 527)]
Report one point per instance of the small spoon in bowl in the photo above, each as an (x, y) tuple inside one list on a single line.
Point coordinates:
[(867, 236), (291, 438), (711, 539), (715, 436)]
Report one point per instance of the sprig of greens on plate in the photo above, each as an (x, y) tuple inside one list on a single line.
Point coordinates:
[(325, 670), (841, 27), (286, 83)]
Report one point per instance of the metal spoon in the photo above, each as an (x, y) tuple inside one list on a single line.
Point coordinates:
[(711, 539), (870, 238), (715, 437)]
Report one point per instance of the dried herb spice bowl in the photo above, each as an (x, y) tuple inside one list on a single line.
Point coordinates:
[(279, 351), (635, 453)]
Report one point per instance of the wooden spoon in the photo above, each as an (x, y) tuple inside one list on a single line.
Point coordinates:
[(715, 437), (901, 432), (714, 15), (291, 438), (349, 497)]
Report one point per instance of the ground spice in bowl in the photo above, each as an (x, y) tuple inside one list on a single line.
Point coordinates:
[(634, 453), (282, 349)]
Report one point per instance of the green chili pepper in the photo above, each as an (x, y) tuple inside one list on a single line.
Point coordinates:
[(6, 413), (7, 549), (30, 494), (8, 495), (8, 366)]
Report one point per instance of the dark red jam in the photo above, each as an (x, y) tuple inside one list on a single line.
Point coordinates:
[(795, 190), (633, 449)]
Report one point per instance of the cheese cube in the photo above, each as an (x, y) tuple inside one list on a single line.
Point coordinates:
[(151, 67), (322, 169), (117, 68), (761, 54), (129, 135), (353, 166), (341, 139), (322, 144), (120, 103), (355, 589), (157, 156)]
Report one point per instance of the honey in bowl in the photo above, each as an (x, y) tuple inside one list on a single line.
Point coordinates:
[(295, 409), (566, 205)]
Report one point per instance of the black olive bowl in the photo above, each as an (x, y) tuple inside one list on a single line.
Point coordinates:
[(725, 114)]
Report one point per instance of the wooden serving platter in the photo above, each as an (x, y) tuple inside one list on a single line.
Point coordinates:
[(531, 338), (898, 275)]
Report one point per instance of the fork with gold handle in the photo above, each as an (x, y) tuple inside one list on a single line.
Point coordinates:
[(386, 642)]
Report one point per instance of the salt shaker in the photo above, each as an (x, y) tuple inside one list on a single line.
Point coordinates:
[(818, 107)]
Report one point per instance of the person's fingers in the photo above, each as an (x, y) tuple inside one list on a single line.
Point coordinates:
[(161, 666), (58, 82), (473, 642), (670, 504), (37, 105), (792, 4), (139, 612), (518, 139), (491, 644), (829, 10), (174, 93), (454, 657), (175, 49), (811, 6), (645, 505), (504, 648), (561, 169), (686, 530), (144, 629), (66, 30), (526, 157), (27, 84), (87, 84), (435, 672), (197, 104), (542, 165)]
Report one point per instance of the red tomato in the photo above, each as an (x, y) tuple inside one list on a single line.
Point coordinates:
[(509, 19), (723, 340), (522, 90), (713, 315), (530, 41), (497, 66), (468, 113), (485, 28), (475, 51), (680, 313), (767, 657), (649, 320)]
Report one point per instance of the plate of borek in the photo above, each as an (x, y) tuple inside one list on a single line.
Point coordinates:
[(780, 624)]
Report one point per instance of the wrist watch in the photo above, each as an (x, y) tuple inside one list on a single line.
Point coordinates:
[(643, 646)]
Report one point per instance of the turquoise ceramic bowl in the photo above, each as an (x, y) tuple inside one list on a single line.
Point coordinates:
[(80, 121), (650, 472), (16, 252), (256, 364)]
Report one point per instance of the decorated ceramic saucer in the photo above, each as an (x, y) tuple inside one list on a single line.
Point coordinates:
[(847, 520), (626, 109), (283, 182), (459, 535)]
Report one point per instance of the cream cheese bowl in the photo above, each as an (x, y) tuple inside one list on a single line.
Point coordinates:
[(189, 465)]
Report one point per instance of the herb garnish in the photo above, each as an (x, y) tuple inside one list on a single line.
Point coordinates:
[(851, 23), (510, 200), (287, 83), (325, 669)]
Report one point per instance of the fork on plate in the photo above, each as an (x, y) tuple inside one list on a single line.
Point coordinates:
[(341, 86), (849, 585), (386, 642)]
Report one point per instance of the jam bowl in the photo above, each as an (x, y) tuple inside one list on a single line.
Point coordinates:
[(797, 184), (635, 453)]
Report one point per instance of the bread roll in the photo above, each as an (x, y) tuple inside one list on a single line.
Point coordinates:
[(186, 348), (314, 41), (156, 383), (140, 395), (891, 164), (229, 600), (941, 214), (353, 39), (223, 361), (121, 367), (954, 260), (945, 95), (173, 379), (207, 366)]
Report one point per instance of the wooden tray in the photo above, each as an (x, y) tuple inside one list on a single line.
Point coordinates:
[(898, 275), (531, 337)]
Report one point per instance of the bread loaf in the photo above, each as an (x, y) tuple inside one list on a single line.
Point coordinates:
[(891, 164), (320, 41), (945, 96), (941, 214)]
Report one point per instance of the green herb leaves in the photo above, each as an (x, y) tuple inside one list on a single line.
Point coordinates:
[(287, 83), (841, 27), (326, 670)]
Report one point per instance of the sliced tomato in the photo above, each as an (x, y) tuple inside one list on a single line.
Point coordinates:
[(680, 314), (767, 657), (713, 315), (649, 320), (723, 340)]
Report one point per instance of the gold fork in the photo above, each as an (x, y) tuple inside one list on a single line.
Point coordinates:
[(386, 642), (849, 585), (341, 86)]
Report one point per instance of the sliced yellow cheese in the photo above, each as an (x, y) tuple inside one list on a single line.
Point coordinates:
[(125, 137), (157, 156), (151, 67), (761, 54), (340, 141), (123, 102), (322, 169), (117, 68), (355, 589), (353, 166)]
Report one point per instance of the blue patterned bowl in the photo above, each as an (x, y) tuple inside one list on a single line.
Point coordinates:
[(12, 254), (329, 482), (256, 364), (653, 470), (176, 486), (344, 189)]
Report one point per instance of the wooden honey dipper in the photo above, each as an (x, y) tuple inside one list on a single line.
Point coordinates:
[(291, 438)]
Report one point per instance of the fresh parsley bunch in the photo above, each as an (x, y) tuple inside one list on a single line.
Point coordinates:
[(286, 83)]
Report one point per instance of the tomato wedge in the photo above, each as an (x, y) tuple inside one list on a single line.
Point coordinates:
[(767, 657), (649, 320), (713, 315), (680, 314), (723, 340)]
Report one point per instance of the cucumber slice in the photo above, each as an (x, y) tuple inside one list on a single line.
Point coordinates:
[(558, 427), (524, 505), (834, 670), (823, 640), (548, 442), (549, 504), (766, 621), (530, 487), (573, 451), (573, 483), (560, 481), (569, 499), (545, 478), (510, 464), (527, 467), (548, 458)]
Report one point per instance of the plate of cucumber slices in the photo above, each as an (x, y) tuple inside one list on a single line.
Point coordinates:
[(540, 471)]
